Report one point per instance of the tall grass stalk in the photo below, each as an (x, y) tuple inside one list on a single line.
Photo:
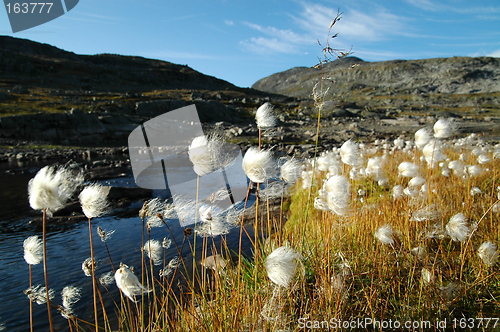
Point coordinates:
[(94, 280), (45, 268)]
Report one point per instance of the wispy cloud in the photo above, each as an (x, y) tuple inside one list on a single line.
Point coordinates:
[(91, 17), (495, 54), (312, 23), (476, 9)]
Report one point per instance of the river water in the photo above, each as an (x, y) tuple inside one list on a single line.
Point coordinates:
[(67, 248)]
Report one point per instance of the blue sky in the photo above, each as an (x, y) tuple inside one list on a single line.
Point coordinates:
[(243, 41)]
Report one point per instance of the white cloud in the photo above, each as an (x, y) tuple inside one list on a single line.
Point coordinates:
[(476, 10), (275, 40), (228, 22), (495, 54), (312, 23)]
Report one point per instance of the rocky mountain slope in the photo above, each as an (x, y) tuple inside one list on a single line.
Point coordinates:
[(51, 95), (28, 63), (461, 85)]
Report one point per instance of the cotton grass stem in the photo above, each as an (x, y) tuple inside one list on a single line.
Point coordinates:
[(45, 271), (94, 281)]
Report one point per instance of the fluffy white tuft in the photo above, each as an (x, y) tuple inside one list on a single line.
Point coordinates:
[(265, 116), (154, 250), (407, 169), (258, 165), (93, 200), (443, 128), (349, 153), (281, 265), (290, 171), (52, 187), (457, 228), (128, 283), (488, 253), (432, 153), (338, 194), (33, 250), (422, 137), (385, 234)]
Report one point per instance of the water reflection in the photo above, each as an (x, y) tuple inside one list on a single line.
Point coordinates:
[(67, 249)]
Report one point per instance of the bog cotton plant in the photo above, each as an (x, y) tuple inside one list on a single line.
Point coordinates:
[(128, 283), (33, 250), (94, 203), (432, 152), (290, 171), (385, 235), (407, 169), (443, 128), (338, 194), (93, 199), (457, 228), (52, 187), (154, 249), (265, 116), (281, 265), (258, 165), (208, 154), (49, 191), (488, 253), (349, 153), (70, 295), (422, 137)]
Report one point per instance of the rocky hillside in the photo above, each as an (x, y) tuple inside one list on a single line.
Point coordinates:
[(460, 85), (32, 64), (51, 95)]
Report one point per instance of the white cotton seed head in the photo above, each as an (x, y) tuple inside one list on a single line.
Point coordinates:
[(417, 181), (457, 228), (290, 171), (33, 250), (349, 153), (258, 165), (422, 137), (432, 153), (443, 128), (474, 170), (38, 294), (107, 278), (200, 155), (488, 253), (397, 191), (281, 265), (475, 191), (338, 194), (483, 159), (375, 169), (128, 283), (385, 234), (105, 235), (52, 187), (70, 295), (407, 169), (94, 201), (265, 116), (87, 266), (154, 250)]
